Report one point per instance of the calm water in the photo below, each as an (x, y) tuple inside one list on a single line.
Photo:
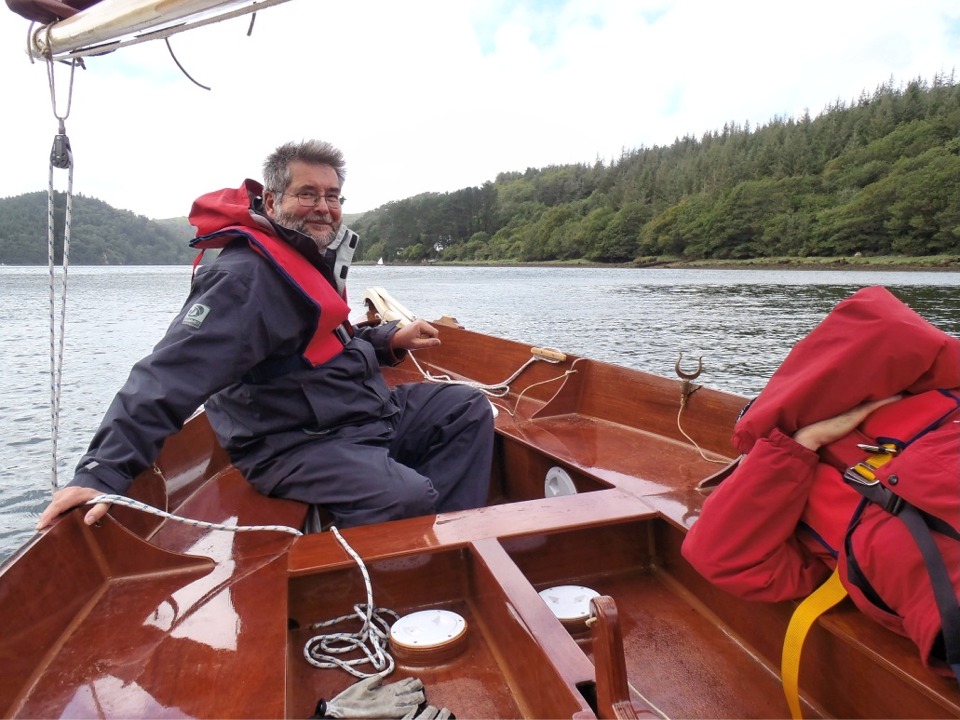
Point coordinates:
[(742, 322)]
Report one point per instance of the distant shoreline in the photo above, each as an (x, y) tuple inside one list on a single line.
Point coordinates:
[(933, 263)]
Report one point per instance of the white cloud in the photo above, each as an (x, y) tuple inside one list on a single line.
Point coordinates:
[(435, 96)]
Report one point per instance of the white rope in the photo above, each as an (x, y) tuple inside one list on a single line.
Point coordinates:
[(513, 413), (718, 460), (493, 390), (320, 650), (61, 156), (143, 507), (371, 640)]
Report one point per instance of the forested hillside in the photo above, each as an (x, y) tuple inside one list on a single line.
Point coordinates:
[(100, 234), (879, 175)]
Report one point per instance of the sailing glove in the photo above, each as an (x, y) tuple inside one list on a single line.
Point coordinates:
[(369, 698)]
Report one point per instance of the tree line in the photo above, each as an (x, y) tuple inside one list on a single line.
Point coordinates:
[(879, 175), (99, 233)]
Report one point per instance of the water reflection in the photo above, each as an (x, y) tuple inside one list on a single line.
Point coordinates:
[(743, 323)]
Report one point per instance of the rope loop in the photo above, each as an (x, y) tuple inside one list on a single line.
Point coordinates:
[(61, 157), (57, 339), (371, 640), (497, 390)]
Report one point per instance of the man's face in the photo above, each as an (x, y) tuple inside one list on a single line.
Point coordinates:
[(321, 221)]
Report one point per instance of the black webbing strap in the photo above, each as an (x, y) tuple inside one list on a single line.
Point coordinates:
[(943, 593)]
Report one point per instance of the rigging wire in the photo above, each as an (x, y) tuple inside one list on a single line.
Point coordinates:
[(182, 68), (61, 157)]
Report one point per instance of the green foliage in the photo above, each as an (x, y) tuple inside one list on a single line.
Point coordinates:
[(880, 176), (99, 234)]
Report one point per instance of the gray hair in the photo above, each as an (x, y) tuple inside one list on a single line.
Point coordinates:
[(276, 168)]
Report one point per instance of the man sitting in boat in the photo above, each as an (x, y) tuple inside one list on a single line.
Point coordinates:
[(824, 486), (293, 392)]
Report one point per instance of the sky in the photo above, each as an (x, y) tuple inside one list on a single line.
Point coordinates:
[(438, 95)]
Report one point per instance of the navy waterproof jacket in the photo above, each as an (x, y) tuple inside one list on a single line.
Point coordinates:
[(244, 318)]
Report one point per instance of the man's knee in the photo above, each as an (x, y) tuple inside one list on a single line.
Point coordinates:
[(414, 497), (474, 407), (404, 495)]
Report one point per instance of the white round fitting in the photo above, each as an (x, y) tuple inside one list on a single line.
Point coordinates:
[(428, 637), (557, 483), (570, 603)]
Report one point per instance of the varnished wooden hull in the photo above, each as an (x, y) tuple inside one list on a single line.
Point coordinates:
[(142, 617)]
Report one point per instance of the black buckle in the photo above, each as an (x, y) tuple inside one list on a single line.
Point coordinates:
[(343, 335), (894, 503)]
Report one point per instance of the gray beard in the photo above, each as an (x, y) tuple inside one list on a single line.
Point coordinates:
[(293, 222)]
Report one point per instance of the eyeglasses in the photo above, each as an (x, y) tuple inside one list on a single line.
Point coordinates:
[(310, 199)]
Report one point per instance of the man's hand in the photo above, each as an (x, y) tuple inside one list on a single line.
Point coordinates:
[(824, 432), (418, 334), (70, 497)]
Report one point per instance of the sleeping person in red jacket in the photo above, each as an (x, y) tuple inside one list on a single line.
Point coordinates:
[(872, 380)]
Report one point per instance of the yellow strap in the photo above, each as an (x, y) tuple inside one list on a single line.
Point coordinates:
[(865, 468), (818, 602), (812, 607)]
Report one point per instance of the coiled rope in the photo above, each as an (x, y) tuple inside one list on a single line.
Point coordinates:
[(61, 157), (371, 640)]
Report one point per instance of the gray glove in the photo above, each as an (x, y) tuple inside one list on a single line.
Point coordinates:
[(430, 712), (371, 699)]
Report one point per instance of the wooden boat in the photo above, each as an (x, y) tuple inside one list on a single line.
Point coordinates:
[(594, 484), (598, 473)]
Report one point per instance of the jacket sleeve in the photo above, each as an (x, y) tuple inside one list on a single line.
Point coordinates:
[(745, 538), (218, 336), (380, 336)]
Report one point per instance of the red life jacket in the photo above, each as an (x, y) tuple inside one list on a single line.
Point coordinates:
[(872, 346), (829, 509), (224, 215)]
